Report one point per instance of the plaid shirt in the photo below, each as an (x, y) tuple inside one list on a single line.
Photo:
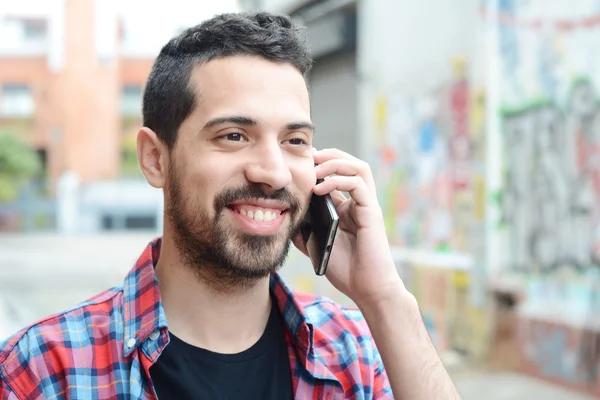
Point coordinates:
[(104, 347)]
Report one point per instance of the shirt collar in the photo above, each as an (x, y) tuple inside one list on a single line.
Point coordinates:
[(144, 314), (312, 355)]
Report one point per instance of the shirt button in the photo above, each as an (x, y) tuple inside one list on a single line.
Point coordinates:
[(155, 335), (131, 342)]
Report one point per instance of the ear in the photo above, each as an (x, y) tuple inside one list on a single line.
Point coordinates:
[(152, 156)]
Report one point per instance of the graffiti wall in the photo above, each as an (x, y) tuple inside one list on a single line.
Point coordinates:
[(429, 166), (550, 172), (550, 135), (550, 124), (551, 196), (429, 163), (563, 355)]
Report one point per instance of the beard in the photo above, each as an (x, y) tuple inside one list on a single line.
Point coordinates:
[(218, 253)]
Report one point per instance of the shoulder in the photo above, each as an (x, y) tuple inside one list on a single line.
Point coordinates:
[(323, 312), (51, 341), (337, 328), (342, 341)]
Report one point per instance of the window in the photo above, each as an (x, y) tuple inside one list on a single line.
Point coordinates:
[(34, 29), (16, 100), (131, 100)]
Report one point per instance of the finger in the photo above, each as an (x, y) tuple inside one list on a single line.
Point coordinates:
[(354, 185), (321, 156), (346, 167), (338, 198)]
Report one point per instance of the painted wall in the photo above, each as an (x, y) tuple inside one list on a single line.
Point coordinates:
[(481, 123), (422, 105), (550, 134), (490, 151), (422, 115), (548, 197)]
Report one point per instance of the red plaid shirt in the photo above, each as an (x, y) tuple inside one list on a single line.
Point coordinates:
[(104, 347)]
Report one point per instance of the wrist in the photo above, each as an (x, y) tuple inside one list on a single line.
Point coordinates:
[(391, 296)]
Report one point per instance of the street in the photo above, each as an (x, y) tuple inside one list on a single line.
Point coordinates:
[(44, 274)]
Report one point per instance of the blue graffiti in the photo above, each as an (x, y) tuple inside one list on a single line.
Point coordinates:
[(427, 134), (509, 45), (552, 355), (546, 67)]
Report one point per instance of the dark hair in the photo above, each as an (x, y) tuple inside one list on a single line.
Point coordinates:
[(168, 97)]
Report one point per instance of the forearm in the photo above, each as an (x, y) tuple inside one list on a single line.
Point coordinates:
[(412, 364)]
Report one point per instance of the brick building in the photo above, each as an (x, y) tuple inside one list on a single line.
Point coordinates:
[(70, 84)]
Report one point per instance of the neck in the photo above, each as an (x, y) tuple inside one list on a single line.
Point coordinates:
[(204, 315)]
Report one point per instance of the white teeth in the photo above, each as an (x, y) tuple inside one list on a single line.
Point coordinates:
[(259, 216)]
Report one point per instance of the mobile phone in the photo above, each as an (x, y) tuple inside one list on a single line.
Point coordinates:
[(320, 230)]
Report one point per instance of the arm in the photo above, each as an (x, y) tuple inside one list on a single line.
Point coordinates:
[(412, 364), (362, 267)]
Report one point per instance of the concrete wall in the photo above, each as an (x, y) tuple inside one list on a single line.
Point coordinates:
[(272, 5), (333, 91), (408, 45)]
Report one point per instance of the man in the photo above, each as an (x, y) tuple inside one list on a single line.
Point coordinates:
[(203, 314)]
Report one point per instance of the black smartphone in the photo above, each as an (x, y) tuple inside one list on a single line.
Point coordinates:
[(320, 230)]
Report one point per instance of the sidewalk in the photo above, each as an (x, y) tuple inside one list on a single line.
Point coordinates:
[(476, 382), (478, 385)]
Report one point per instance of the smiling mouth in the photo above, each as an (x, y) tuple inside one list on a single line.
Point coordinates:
[(260, 214)]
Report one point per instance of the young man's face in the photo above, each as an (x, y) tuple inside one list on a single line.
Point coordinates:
[(242, 172)]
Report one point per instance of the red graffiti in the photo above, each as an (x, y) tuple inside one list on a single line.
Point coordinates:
[(460, 147)]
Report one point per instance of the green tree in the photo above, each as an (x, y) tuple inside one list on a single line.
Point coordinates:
[(129, 158), (18, 164)]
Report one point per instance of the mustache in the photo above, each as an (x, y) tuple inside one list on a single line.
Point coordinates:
[(252, 191)]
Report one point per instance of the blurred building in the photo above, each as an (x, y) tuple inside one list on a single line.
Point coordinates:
[(71, 81), (70, 86), (392, 84), (332, 33), (480, 121)]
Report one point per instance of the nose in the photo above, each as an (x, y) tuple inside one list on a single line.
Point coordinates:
[(269, 168)]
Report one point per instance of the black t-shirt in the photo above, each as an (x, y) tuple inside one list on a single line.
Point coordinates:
[(262, 372)]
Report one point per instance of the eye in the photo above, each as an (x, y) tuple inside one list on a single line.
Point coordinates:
[(234, 137), (298, 142)]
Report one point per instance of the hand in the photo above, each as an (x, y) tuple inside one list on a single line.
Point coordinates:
[(361, 264)]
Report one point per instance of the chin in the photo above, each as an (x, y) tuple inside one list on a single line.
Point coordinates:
[(253, 254)]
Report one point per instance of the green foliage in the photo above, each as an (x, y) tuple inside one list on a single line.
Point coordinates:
[(18, 164), (129, 161)]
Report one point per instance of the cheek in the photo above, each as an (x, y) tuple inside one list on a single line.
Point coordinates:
[(306, 180), (202, 183)]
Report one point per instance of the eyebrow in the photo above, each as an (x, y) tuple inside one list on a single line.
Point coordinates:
[(300, 125), (248, 121)]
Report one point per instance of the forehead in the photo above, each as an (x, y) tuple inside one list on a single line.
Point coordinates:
[(250, 86)]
